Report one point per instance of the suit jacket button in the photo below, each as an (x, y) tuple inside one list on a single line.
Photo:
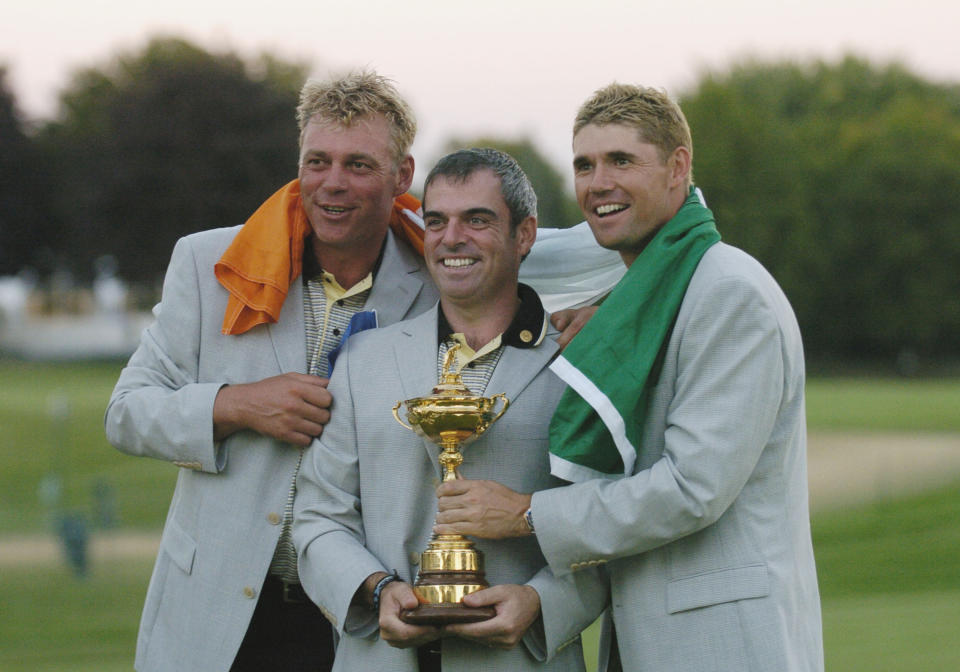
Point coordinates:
[(414, 558), (249, 592), (273, 518)]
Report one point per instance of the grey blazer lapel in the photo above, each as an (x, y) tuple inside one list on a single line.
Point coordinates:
[(517, 367), (415, 355), (288, 334), (397, 284)]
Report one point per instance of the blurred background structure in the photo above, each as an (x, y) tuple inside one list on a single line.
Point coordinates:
[(842, 177), (826, 140)]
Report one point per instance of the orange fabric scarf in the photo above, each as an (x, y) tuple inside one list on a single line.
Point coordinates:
[(266, 256)]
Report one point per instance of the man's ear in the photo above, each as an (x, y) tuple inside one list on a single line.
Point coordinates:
[(680, 162), (404, 175), (526, 234)]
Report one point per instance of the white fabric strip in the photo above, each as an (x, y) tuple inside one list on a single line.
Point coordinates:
[(585, 387), (414, 217), (576, 473)]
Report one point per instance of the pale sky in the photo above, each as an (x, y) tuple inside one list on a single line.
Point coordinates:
[(506, 67)]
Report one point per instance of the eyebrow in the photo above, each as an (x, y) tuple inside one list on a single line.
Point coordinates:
[(319, 153), (480, 211), (369, 158), (612, 155), (619, 154), (469, 212)]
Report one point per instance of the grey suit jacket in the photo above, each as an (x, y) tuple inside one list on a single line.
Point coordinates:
[(223, 522), (366, 503), (708, 544)]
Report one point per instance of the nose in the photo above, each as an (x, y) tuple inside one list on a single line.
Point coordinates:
[(334, 178), (601, 179), (452, 233)]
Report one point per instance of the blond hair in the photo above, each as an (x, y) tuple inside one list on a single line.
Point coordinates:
[(657, 118), (354, 96)]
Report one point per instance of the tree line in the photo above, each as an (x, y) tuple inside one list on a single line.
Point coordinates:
[(842, 178)]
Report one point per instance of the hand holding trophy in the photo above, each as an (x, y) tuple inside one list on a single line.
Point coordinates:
[(450, 567)]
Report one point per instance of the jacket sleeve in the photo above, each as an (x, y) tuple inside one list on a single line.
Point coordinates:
[(328, 526), (158, 408), (725, 400), (568, 605)]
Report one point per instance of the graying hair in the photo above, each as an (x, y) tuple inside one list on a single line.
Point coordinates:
[(515, 187)]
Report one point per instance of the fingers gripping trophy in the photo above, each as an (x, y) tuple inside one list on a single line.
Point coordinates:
[(450, 567)]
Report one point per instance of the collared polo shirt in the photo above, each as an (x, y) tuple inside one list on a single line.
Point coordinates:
[(327, 309), (527, 330)]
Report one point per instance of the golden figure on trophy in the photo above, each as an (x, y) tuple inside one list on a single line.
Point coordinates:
[(450, 567)]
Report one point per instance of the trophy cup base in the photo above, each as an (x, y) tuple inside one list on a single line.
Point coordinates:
[(446, 614), (441, 596)]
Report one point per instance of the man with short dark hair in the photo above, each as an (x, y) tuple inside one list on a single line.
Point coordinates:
[(684, 429), (365, 501)]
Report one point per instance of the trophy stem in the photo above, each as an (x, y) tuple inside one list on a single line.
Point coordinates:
[(451, 457)]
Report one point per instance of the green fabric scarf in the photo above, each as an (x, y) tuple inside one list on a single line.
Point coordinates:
[(614, 362)]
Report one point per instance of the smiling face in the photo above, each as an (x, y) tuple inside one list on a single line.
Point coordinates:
[(348, 180), (625, 188), (471, 252)]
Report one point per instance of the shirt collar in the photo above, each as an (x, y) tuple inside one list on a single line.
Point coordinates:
[(311, 265), (527, 330)]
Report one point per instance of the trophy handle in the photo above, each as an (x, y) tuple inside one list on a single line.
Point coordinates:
[(397, 416), (503, 409), (506, 404)]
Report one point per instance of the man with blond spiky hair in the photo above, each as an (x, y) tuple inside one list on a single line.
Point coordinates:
[(229, 382), (683, 428)]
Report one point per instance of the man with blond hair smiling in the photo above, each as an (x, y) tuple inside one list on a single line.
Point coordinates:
[(683, 430), (229, 382)]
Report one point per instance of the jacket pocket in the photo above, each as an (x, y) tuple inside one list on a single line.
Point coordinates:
[(179, 545), (717, 587)]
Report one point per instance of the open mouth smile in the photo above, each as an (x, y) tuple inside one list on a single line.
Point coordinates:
[(458, 262), (609, 209), (334, 209)]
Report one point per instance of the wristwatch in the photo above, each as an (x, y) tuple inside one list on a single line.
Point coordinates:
[(528, 517)]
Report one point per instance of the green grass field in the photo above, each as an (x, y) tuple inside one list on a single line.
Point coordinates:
[(889, 571), (883, 405), (51, 423), (889, 576), (52, 622)]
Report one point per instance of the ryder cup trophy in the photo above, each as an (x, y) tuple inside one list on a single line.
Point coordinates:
[(450, 567)]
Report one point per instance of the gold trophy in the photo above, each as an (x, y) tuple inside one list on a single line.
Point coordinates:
[(450, 567)]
